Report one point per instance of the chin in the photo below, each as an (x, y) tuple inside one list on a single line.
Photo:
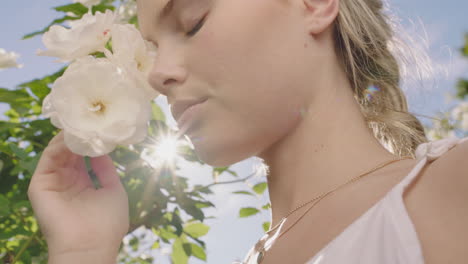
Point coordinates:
[(217, 157), (214, 159)]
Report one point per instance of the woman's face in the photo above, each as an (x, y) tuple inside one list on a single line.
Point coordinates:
[(253, 59)]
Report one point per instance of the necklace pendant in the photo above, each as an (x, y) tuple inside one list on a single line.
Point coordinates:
[(260, 257)]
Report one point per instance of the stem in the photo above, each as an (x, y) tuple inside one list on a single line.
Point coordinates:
[(11, 156), (37, 145), (23, 248), (40, 241), (225, 182)]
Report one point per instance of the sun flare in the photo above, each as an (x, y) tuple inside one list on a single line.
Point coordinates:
[(162, 152)]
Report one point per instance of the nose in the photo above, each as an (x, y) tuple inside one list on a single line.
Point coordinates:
[(166, 73)]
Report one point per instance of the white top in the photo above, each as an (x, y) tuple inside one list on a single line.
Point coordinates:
[(385, 234)]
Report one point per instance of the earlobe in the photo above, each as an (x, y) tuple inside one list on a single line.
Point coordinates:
[(320, 14)]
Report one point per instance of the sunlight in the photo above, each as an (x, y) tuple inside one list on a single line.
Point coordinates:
[(260, 168), (163, 152)]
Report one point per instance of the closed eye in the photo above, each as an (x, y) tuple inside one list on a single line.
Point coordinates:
[(197, 27)]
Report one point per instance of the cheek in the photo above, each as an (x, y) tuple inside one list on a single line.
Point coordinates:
[(253, 46), (247, 55)]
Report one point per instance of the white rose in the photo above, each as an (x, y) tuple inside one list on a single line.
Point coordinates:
[(132, 52), (87, 35), (87, 3), (8, 60), (98, 107)]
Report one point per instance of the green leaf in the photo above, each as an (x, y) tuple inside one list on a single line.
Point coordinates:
[(176, 221), (166, 234), (25, 257), (102, 8), (155, 245), (14, 96), (5, 126), (194, 211), (266, 226), (46, 80), (244, 192), (188, 154), (465, 47), (204, 204), (56, 21), (260, 188), (233, 173), (134, 20), (219, 171), (18, 152), (30, 163), (196, 229), (198, 251), (187, 249), (76, 8), (462, 89), (158, 114), (178, 255), (134, 243), (21, 204), (203, 189), (266, 206), (248, 211), (4, 206), (13, 115), (39, 88), (4, 148)]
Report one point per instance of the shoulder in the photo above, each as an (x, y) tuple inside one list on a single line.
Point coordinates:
[(448, 175), (437, 204)]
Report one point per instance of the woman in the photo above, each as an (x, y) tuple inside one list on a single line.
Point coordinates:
[(310, 87)]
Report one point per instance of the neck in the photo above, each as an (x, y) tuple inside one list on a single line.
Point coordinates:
[(329, 145)]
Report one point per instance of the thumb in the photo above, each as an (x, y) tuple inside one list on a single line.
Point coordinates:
[(105, 171)]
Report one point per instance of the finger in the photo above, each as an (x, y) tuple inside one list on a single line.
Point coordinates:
[(105, 171), (83, 176), (58, 168), (56, 156), (57, 138)]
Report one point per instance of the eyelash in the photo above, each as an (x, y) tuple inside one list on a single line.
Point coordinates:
[(197, 27)]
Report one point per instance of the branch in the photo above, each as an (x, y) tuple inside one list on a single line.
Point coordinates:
[(23, 248), (224, 182)]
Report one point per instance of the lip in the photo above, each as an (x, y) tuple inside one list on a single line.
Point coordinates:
[(188, 116), (180, 106)]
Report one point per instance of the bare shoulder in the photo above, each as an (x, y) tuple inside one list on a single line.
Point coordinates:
[(437, 205)]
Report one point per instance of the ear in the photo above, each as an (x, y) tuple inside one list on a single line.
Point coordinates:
[(320, 14)]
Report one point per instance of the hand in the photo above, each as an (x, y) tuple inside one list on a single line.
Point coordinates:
[(73, 216)]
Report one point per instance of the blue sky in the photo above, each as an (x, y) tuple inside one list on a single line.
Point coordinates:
[(437, 27)]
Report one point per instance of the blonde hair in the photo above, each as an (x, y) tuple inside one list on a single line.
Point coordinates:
[(362, 34)]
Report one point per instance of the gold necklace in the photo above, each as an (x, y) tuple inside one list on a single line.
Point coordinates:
[(260, 246)]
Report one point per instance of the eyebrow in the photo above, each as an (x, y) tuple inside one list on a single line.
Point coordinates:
[(167, 9)]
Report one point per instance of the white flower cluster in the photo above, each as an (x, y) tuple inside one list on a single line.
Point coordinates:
[(460, 114), (8, 60), (127, 10), (100, 103)]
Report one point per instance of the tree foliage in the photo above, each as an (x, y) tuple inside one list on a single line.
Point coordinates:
[(160, 200), (462, 86), (455, 121)]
